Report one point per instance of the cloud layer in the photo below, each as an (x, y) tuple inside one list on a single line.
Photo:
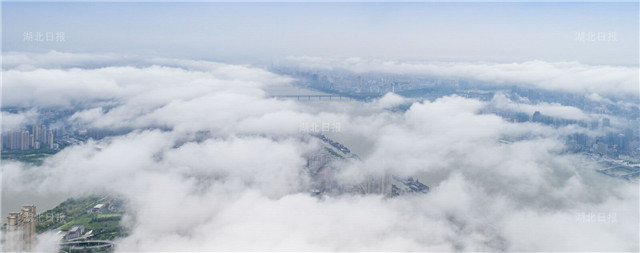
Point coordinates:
[(574, 77), (214, 164)]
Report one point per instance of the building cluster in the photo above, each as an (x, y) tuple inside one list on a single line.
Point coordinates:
[(34, 137), (409, 185), (321, 173), (324, 181), (77, 231), (21, 230), (333, 143), (376, 185), (358, 85), (80, 231), (619, 145), (597, 136), (384, 185)]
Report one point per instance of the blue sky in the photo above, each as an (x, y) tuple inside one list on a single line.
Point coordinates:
[(500, 32)]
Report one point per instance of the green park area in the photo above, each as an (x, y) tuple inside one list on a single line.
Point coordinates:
[(104, 225), (28, 156)]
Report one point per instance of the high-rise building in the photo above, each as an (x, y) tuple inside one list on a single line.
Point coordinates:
[(32, 141), (35, 130), (377, 185), (50, 140), (29, 226), (21, 229), (13, 235), (44, 134), (25, 140), (38, 137), (14, 140)]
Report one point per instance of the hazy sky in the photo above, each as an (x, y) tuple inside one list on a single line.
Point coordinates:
[(501, 32)]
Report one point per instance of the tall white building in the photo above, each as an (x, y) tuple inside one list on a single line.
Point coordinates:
[(377, 185), (50, 139), (21, 230)]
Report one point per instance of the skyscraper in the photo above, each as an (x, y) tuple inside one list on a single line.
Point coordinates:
[(14, 140), (377, 185), (43, 133), (25, 140), (50, 140), (35, 130), (21, 229)]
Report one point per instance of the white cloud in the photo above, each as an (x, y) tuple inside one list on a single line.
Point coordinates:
[(617, 81), (390, 100), (225, 173), (501, 101), (15, 121), (56, 59)]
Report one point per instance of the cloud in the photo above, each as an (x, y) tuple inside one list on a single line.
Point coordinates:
[(56, 60), (46, 241), (213, 164), (501, 101), (573, 77), (15, 121), (144, 86), (390, 100)]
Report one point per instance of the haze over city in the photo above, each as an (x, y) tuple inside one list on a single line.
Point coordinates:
[(320, 126)]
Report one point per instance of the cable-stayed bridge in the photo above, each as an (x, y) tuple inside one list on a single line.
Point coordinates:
[(313, 97)]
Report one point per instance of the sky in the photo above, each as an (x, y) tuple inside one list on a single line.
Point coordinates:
[(252, 32)]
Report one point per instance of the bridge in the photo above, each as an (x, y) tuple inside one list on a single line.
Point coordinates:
[(87, 244), (313, 97)]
